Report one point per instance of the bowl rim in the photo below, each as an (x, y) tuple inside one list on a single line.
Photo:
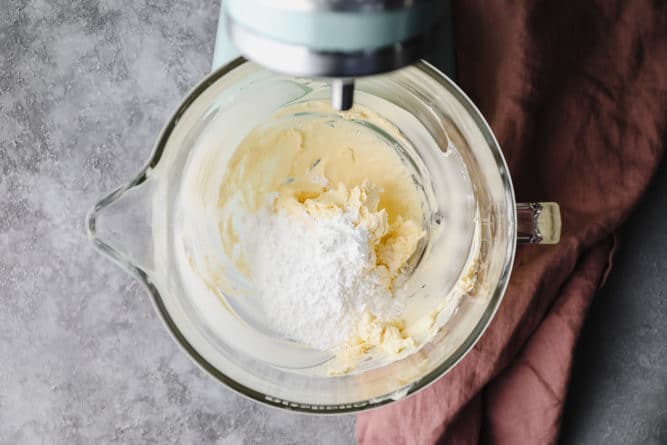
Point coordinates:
[(248, 392)]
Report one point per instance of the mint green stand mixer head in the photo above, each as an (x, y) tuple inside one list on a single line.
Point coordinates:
[(337, 40)]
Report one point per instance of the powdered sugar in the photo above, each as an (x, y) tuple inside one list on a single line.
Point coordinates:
[(315, 277)]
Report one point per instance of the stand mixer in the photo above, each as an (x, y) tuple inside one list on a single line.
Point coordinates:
[(337, 40), (445, 141)]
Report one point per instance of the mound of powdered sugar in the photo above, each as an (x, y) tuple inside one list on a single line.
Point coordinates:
[(315, 277)]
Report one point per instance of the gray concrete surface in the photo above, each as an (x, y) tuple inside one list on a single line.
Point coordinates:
[(618, 393), (84, 89)]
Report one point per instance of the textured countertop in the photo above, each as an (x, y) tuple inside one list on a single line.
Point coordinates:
[(84, 89)]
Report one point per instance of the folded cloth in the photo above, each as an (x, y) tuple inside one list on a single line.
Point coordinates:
[(577, 94)]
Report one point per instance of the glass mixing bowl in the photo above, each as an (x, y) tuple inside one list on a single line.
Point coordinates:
[(455, 160)]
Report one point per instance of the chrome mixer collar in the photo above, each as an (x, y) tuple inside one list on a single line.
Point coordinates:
[(337, 40)]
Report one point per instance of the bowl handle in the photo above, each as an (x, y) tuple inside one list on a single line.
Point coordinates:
[(538, 222)]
